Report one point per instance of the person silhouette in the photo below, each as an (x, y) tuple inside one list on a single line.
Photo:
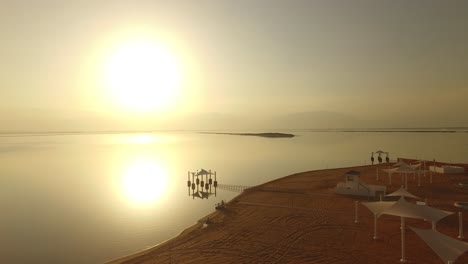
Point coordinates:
[(372, 158)]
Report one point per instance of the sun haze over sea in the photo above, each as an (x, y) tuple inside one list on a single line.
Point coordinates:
[(119, 65)]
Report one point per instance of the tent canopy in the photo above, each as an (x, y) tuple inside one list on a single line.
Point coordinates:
[(403, 193), (448, 249), (380, 152), (401, 169), (405, 209), (391, 170), (400, 163), (378, 207), (405, 168), (202, 172)]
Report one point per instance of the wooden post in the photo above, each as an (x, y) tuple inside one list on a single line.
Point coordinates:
[(460, 225), (377, 168)]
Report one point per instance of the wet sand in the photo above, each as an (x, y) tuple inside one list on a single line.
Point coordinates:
[(300, 219)]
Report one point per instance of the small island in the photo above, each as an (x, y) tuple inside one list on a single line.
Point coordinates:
[(268, 135)]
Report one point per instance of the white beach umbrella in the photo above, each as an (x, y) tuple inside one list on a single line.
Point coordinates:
[(401, 169), (404, 209), (377, 208), (403, 193), (405, 169), (447, 248), (390, 172), (400, 163)]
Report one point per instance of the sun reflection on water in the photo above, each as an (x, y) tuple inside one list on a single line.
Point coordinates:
[(145, 181), (141, 139)]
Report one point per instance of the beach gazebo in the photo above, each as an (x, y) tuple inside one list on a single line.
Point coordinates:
[(402, 193), (402, 170), (447, 248), (400, 163), (377, 208), (204, 183), (404, 209)]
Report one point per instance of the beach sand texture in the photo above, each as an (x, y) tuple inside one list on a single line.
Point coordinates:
[(299, 219)]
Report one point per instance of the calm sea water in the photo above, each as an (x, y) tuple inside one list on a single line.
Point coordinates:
[(90, 198)]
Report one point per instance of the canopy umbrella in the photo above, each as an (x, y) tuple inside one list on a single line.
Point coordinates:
[(404, 209), (401, 169), (447, 248), (377, 208), (400, 163), (403, 193), (390, 172)]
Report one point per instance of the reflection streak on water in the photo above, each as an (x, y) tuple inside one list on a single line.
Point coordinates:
[(144, 180)]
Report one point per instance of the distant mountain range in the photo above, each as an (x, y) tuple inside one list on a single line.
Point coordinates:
[(66, 121)]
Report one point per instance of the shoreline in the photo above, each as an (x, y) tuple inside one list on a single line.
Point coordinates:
[(251, 227), (195, 226)]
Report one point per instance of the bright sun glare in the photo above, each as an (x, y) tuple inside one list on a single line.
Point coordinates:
[(142, 75), (144, 181)]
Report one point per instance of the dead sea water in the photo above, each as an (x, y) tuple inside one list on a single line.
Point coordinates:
[(90, 198)]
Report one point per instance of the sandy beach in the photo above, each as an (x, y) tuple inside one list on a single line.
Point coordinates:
[(300, 219)]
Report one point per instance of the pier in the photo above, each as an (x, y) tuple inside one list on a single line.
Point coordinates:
[(233, 188)]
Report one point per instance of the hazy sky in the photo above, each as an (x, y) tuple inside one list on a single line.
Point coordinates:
[(370, 59)]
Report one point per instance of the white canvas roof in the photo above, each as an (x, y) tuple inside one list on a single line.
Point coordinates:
[(391, 170), (405, 209), (401, 169), (448, 249), (378, 207), (402, 192), (405, 168), (400, 163)]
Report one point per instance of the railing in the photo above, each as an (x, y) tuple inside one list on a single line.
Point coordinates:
[(365, 187), (232, 187)]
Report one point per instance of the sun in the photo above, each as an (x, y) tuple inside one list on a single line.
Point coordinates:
[(142, 75)]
